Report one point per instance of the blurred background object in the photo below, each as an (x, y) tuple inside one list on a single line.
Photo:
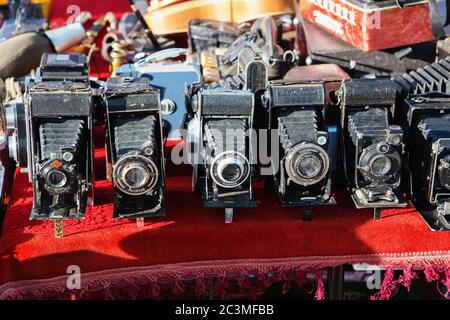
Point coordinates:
[(22, 16), (30, 46), (173, 16), (323, 47), (372, 25)]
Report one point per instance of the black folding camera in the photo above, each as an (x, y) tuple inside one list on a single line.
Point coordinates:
[(134, 147), (372, 147), (59, 134), (426, 120), (301, 165), (223, 170)]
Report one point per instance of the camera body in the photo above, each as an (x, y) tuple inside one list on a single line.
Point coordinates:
[(372, 147), (222, 124), (426, 120), (58, 112), (134, 144), (302, 168), (170, 78)]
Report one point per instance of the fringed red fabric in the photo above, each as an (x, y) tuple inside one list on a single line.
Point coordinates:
[(433, 273), (152, 283), (320, 292), (440, 275), (217, 281)]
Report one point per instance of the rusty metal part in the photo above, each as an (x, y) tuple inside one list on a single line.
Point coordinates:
[(119, 55), (210, 67)]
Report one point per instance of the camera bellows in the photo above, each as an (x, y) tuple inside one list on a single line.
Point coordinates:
[(433, 127), (55, 135), (431, 78), (296, 127), (136, 133), (372, 122), (225, 135)]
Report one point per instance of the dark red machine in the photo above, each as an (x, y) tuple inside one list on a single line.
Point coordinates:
[(372, 24)]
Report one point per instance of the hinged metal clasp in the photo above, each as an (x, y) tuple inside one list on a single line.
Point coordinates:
[(443, 209)]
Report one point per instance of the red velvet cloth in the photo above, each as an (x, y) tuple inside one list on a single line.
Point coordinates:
[(192, 242)]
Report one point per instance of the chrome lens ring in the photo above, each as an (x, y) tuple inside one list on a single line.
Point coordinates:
[(56, 179), (307, 164), (230, 169), (135, 175)]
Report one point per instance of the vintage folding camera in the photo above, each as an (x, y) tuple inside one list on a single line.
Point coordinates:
[(59, 137), (372, 147), (426, 120), (223, 169), (134, 144), (301, 169)]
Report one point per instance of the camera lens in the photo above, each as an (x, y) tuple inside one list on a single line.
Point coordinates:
[(56, 179), (230, 169), (231, 172), (309, 165), (383, 147), (380, 166), (136, 176)]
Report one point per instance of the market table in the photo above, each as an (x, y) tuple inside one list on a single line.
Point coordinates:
[(192, 247)]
